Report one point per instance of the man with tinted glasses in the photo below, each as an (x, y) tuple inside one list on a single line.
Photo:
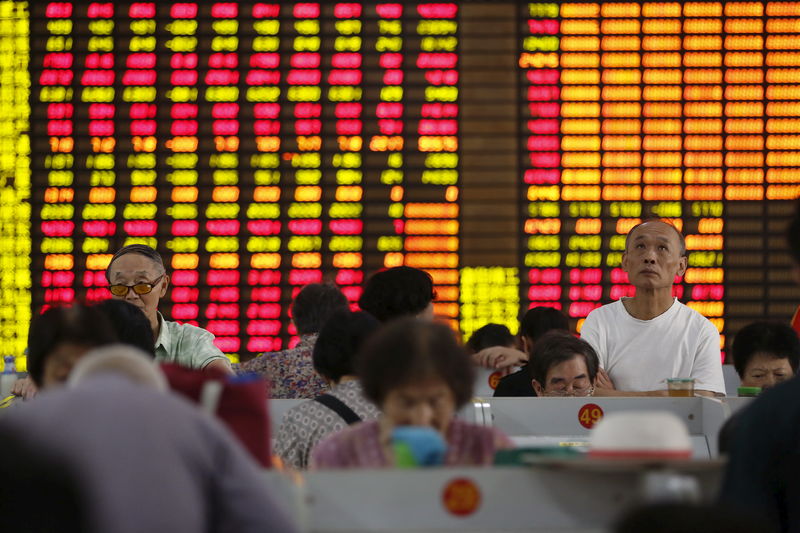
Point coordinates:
[(137, 275)]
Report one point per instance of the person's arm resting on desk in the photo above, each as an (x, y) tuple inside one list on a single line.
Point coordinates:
[(211, 357)]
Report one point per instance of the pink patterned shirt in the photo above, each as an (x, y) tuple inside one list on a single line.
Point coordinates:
[(359, 446)]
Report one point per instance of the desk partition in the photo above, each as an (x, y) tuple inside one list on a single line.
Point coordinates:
[(737, 403), (574, 497), (732, 380), (568, 421), (577, 495)]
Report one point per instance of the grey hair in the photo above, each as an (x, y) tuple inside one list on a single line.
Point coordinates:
[(120, 359), (140, 249)]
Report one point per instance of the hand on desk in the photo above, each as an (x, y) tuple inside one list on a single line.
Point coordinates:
[(24, 387)]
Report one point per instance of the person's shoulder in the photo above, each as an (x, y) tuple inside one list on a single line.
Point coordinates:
[(299, 351), (694, 317), (180, 330), (187, 336), (606, 312), (349, 390), (274, 363), (515, 384)]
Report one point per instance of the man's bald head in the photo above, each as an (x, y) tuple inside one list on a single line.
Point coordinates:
[(681, 239)]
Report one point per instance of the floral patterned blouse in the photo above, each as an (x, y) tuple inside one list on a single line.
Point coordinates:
[(290, 372), (304, 425)]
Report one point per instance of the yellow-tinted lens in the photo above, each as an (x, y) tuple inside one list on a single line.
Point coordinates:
[(119, 290), (142, 288)]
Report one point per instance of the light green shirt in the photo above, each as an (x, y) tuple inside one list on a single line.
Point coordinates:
[(185, 345)]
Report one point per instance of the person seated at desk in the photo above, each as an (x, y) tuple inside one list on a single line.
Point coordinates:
[(68, 335), (60, 337), (146, 459), (765, 354), (419, 375), (643, 340), (137, 275), (563, 365), (304, 425), (535, 323), (398, 292), (291, 371)]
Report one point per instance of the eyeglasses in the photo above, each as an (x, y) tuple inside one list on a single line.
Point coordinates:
[(139, 288), (563, 393)]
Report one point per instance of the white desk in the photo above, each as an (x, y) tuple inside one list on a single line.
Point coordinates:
[(576, 498), (551, 421)]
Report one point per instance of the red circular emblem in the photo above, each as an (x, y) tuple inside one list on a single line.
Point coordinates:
[(461, 497), (589, 415), (494, 379)]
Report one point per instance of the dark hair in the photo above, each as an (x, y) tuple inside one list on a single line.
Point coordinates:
[(130, 324), (77, 324), (793, 234), (314, 304), (339, 341), (140, 249), (557, 347), (488, 336), (772, 338), (688, 518), (681, 239), (539, 320), (410, 350), (35, 475), (397, 292)]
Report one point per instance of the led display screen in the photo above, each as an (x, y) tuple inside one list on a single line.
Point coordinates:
[(261, 146)]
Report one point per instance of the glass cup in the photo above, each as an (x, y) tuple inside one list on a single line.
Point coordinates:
[(682, 387)]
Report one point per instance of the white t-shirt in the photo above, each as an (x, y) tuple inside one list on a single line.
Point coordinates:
[(639, 355)]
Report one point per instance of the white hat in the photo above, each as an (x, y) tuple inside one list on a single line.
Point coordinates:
[(641, 435)]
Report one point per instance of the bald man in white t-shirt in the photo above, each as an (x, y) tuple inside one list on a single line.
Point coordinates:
[(643, 340)]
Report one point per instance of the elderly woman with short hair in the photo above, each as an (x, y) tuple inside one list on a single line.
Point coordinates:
[(419, 376)]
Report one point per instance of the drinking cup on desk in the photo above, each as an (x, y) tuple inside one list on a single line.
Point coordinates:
[(680, 387)]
